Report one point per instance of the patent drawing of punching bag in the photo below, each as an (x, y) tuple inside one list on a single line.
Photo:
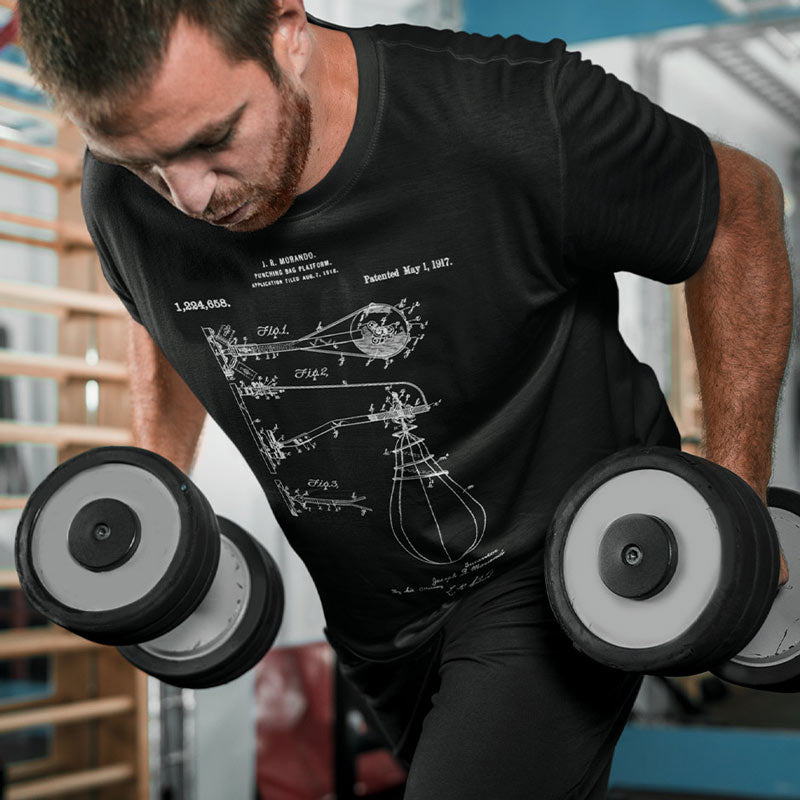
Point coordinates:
[(433, 517)]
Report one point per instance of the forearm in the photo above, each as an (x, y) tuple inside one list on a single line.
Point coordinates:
[(166, 417), (740, 306)]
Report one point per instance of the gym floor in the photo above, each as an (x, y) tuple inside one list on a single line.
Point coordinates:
[(629, 794), (614, 794), (724, 705)]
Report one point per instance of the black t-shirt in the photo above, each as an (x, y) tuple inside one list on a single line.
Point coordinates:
[(423, 354)]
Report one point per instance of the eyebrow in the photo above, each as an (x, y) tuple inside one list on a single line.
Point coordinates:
[(213, 129)]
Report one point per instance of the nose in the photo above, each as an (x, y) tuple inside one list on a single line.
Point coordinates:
[(191, 185)]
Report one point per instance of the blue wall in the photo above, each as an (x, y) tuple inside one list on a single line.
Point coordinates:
[(581, 20)]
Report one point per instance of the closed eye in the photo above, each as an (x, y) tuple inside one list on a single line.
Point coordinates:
[(220, 144)]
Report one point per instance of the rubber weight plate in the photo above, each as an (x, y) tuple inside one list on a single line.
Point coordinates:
[(771, 659), (673, 631), (117, 545), (759, 544), (231, 630)]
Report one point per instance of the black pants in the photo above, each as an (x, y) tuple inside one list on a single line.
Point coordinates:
[(498, 705)]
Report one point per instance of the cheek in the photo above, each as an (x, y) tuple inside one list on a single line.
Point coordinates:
[(260, 145), (252, 165)]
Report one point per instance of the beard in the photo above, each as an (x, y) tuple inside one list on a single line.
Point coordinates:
[(270, 201)]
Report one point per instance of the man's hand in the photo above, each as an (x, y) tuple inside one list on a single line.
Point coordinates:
[(784, 571), (784, 574)]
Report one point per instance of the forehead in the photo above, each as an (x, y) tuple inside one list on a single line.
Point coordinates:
[(196, 83)]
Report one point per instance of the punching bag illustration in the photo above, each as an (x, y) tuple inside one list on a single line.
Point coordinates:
[(434, 518)]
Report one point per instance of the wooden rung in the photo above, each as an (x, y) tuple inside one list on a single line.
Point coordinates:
[(30, 642), (31, 241), (70, 234), (30, 176), (17, 75), (8, 577), (55, 299), (71, 783), (70, 165), (66, 712), (8, 502), (32, 768), (63, 434), (39, 112), (37, 365)]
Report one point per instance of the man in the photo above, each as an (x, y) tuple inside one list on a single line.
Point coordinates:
[(383, 260)]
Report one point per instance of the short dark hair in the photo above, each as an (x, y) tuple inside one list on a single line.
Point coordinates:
[(90, 53)]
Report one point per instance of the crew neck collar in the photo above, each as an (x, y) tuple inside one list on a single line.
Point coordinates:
[(356, 149)]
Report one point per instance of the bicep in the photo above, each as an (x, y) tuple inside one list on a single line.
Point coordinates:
[(750, 190), (746, 185)]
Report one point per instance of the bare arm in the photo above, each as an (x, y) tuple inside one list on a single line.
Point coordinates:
[(167, 417), (740, 308)]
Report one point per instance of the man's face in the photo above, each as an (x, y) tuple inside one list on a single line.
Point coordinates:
[(216, 138)]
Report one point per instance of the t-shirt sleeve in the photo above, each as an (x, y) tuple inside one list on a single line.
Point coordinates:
[(639, 186), (115, 282), (107, 265)]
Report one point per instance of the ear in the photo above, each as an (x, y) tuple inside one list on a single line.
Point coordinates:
[(291, 41)]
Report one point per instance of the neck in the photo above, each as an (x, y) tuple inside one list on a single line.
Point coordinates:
[(331, 80)]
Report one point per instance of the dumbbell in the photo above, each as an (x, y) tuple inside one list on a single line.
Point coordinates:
[(119, 546), (662, 562)]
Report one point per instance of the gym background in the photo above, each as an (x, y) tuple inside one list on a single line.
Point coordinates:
[(83, 723)]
